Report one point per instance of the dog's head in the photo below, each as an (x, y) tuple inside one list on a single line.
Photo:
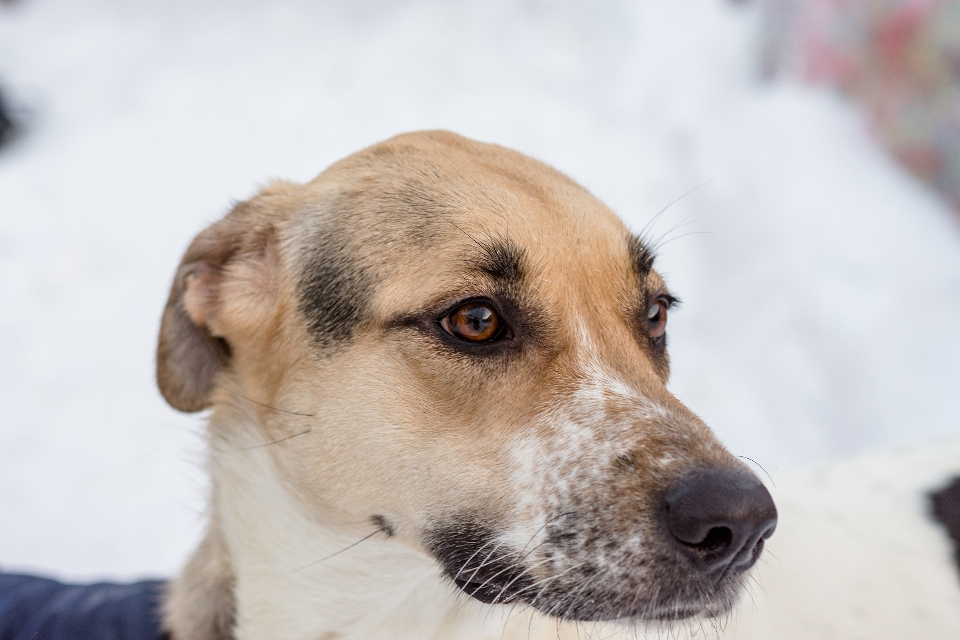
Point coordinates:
[(462, 347)]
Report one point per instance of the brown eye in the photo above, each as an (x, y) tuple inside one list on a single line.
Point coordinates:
[(474, 322), (657, 318)]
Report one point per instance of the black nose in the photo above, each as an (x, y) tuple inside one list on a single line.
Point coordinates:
[(720, 519)]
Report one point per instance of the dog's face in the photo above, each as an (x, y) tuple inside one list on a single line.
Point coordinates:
[(463, 348)]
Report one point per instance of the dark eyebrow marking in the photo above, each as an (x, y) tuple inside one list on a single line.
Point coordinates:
[(641, 257), (503, 260)]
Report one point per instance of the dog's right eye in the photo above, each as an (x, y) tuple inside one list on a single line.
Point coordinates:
[(657, 318), (474, 322)]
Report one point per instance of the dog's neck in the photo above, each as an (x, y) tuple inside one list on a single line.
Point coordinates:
[(295, 577)]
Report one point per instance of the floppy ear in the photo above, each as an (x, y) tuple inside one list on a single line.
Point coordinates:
[(227, 266), (189, 357)]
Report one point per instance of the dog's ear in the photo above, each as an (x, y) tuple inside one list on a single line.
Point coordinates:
[(224, 265)]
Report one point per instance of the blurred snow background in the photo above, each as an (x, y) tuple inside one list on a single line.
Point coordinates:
[(821, 283)]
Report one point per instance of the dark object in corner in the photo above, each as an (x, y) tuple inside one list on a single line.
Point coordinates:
[(945, 507), (33, 608), (6, 124)]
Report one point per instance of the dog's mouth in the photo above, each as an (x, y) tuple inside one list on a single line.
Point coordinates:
[(490, 591), (480, 566), (486, 569)]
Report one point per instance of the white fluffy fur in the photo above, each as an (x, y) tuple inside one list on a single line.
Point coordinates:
[(857, 555)]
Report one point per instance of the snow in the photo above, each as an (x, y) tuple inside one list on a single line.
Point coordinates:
[(821, 283)]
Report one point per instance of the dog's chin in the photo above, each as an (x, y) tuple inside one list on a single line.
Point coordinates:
[(625, 605), (631, 607), (604, 607)]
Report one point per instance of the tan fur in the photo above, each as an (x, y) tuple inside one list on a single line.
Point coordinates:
[(200, 602), (321, 423)]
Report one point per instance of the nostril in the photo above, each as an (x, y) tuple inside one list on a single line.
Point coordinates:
[(717, 540)]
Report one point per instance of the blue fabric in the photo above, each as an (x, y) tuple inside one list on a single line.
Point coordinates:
[(33, 608)]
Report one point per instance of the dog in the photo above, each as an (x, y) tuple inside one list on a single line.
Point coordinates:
[(435, 378)]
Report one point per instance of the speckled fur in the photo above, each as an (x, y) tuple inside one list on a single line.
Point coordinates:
[(357, 452)]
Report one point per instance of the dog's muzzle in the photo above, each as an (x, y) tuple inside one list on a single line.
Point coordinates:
[(706, 531)]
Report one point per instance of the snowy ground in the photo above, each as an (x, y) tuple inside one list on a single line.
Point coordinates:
[(822, 299)]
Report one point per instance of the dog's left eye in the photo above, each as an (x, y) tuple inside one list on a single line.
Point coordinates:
[(474, 322)]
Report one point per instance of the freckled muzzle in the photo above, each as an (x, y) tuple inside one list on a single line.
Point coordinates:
[(626, 555)]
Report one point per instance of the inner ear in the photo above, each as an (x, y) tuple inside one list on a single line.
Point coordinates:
[(201, 281), (227, 274), (201, 302), (187, 362)]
